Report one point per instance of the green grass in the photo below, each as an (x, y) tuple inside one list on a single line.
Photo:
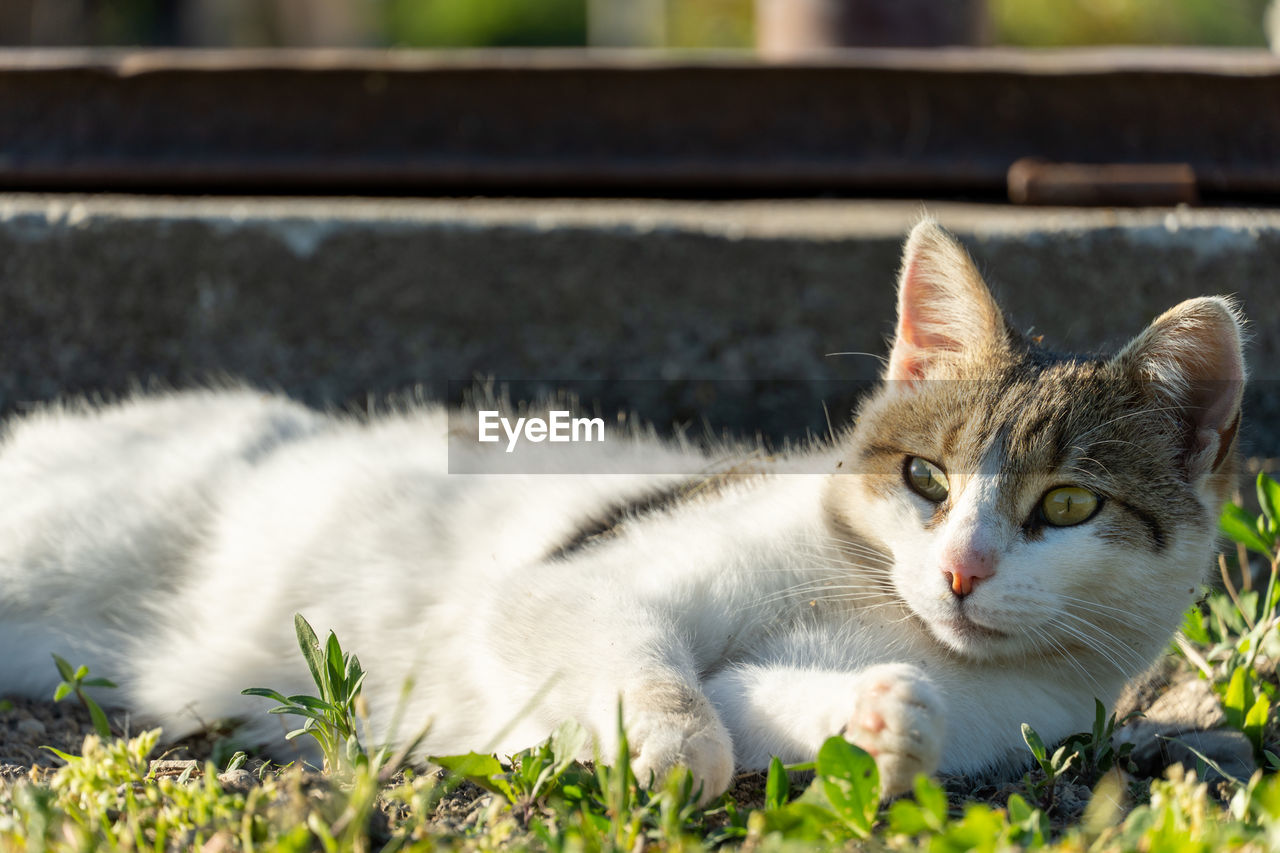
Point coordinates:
[(74, 681), (108, 799), (331, 717)]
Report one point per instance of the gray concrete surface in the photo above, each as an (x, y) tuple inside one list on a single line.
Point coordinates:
[(722, 313)]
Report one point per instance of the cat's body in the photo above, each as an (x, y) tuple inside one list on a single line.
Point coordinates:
[(167, 542)]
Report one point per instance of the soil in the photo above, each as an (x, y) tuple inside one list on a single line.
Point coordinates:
[(29, 725)]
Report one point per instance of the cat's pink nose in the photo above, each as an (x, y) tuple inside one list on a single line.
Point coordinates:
[(968, 567)]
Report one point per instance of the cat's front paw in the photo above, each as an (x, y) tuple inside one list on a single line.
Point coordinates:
[(898, 718), (674, 725)]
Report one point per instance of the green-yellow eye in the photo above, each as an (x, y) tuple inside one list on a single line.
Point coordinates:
[(1068, 505), (926, 479)]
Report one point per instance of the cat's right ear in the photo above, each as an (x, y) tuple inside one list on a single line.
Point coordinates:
[(1192, 356), (944, 307)]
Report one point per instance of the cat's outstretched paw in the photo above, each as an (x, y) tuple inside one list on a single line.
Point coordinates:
[(674, 725), (898, 718)]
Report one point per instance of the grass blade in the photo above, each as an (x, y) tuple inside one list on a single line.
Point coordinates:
[(776, 787), (310, 645), (1269, 498), (65, 669), (266, 692), (100, 723), (1239, 525)]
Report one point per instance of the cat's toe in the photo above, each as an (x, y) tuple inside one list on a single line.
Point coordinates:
[(898, 718), (707, 754), (687, 733)]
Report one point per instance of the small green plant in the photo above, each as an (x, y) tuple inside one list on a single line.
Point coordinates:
[(535, 774), (1086, 756), (777, 786), (928, 820), (1246, 701), (1257, 533), (1240, 625), (1095, 749), (75, 680), (840, 805), (1052, 766), (552, 796), (331, 717)]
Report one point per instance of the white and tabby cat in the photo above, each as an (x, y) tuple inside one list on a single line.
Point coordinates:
[(1003, 535)]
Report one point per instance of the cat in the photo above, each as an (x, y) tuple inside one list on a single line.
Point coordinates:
[(1002, 535)]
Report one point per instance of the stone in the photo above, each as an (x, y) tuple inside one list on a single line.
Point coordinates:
[(30, 727), (239, 781), (1188, 704)]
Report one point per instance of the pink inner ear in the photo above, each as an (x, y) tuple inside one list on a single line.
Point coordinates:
[(918, 332), (905, 368), (906, 361), (909, 358), (943, 305)]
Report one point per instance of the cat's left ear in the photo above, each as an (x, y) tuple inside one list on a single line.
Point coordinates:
[(944, 306), (1193, 354)]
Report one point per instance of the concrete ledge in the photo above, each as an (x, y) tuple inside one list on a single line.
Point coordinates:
[(337, 299)]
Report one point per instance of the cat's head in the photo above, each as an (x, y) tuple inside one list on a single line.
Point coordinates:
[(1033, 503)]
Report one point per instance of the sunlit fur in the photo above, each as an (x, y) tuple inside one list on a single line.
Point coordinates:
[(166, 541)]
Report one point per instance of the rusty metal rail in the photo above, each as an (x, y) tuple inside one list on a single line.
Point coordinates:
[(852, 122)]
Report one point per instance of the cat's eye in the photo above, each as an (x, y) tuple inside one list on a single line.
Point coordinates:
[(926, 479), (1068, 505)]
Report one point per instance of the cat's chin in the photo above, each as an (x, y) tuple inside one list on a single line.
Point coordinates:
[(962, 634)]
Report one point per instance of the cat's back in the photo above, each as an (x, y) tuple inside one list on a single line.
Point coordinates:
[(98, 490), (399, 490), (168, 432), (86, 488)]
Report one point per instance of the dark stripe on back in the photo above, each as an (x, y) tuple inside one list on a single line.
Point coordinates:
[(609, 521), (605, 523)]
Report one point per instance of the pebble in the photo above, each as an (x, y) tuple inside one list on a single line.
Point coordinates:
[(1190, 703), (239, 781), (30, 727)]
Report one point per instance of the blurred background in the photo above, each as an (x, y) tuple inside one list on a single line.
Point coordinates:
[(650, 23), (684, 230)]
